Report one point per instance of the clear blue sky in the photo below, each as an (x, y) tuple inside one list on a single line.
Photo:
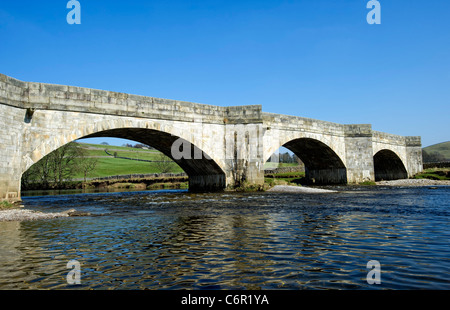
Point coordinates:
[(317, 59)]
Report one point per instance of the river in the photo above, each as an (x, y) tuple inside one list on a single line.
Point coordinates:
[(178, 240)]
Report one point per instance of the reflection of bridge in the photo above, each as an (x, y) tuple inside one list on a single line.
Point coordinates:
[(226, 144)]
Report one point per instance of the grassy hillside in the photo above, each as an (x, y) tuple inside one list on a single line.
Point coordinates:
[(108, 165), (441, 148)]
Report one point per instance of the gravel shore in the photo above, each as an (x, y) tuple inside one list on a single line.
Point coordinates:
[(29, 215), (403, 182), (298, 189), (414, 182)]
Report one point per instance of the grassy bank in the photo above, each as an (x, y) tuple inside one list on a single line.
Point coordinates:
[(286, 178), (5, 205), (434, 174), (141, 184)]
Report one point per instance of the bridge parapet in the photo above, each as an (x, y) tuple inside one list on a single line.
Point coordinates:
[(297, 123), (413, 141), (388, 138), (358, 130)]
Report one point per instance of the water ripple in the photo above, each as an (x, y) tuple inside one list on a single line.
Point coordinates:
[(178, 240)]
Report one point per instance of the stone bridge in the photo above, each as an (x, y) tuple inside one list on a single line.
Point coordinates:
[(216, 146)]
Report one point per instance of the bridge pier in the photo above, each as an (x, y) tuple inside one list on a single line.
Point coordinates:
[(326, 176), (414, 160), (359, 153), (207, 183)]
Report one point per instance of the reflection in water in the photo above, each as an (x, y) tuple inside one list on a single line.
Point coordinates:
[(175, 240)]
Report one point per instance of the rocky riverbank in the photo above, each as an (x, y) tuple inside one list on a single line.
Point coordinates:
[(403, 182), (413, 182), (298, 189), (19, 214)]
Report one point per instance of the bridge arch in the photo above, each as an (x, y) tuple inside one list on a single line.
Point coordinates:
[(205, 173), (388, 166), (322, 164)]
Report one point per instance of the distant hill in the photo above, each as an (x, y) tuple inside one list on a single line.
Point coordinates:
[(443, 149)]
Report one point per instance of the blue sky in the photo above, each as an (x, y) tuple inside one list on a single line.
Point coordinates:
[(317, 59)]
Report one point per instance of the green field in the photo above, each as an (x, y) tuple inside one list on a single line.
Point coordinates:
[(108, 165)]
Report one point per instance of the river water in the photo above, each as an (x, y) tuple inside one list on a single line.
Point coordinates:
[(178, 240)]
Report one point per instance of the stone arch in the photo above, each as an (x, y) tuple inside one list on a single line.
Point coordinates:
[(322, 164), (205, 174), (388, 166)]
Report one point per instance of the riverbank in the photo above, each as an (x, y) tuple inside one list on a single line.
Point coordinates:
[(155, 182), (298, 189), (19, 214), (293, 188), (413, 182)]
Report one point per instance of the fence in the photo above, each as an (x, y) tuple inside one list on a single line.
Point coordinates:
[(444, 164), (141, 176), (136, 159)]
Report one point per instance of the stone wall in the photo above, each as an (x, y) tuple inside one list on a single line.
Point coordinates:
[(436, 165), (285, 169)]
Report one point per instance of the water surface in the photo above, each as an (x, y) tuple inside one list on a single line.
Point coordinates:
[(178, 240)]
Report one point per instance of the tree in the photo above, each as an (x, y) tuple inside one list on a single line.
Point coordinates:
[(140, 146), (56, 167), (285, 158), (87, 165), (164, 163), (64, 162)]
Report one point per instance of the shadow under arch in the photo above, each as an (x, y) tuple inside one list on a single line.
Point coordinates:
[(322, 165), (388, 166)]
